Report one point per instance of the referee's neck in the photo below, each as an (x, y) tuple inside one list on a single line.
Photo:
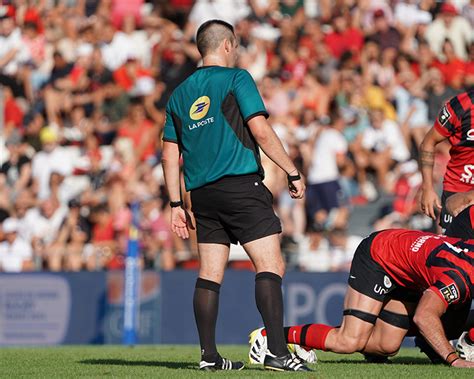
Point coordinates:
[(214, 60)]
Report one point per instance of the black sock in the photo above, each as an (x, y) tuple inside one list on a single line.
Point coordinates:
[(206, 304), (269, 300)]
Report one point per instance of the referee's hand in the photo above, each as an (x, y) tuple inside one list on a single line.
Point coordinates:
[(180, 221), (298, 189)]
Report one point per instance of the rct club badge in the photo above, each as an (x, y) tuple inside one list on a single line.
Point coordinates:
[(450, 293), (444, 116)]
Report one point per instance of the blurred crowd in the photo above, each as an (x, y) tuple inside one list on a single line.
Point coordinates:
[(351, 86)]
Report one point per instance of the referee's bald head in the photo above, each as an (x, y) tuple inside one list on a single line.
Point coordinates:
[(211, 34)]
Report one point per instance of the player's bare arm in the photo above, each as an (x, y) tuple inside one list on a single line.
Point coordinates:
[(429, 199), (428, 320), (272, 147), (170, 161), (458, 202)]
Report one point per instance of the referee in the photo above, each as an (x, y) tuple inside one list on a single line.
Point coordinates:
[(217, 121)]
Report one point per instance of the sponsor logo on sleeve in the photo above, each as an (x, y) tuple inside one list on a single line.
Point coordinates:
[(450, 293), (444, 116)]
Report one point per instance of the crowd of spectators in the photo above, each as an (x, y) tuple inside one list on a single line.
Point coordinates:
[(351, 87)]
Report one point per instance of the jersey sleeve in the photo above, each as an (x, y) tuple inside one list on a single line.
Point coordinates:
[(448, 120), (247, 96), (169, 133), (451, 288)]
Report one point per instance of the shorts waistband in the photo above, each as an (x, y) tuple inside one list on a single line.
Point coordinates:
[(232, 179)]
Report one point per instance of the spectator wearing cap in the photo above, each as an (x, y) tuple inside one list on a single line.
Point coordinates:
[(449, 25), (384, 35), (16, 254), (52, 158)]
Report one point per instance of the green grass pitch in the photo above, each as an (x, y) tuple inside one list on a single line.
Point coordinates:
[(180, 361)]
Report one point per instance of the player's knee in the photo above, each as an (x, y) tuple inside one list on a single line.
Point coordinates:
[(351, 344), (389, 348)]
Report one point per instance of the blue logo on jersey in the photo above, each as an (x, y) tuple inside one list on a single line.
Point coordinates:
[(199, 107)]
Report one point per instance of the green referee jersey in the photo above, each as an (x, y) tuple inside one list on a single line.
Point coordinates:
[(207, 116)]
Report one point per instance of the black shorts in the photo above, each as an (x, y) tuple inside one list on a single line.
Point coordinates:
[(445, 218), (326, 196), (367, 276), (234, 209)]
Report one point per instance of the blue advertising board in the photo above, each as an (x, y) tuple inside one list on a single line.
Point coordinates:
[(88, 308), (308, 297)]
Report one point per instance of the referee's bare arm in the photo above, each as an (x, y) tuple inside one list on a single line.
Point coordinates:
[(272, 147), (170, 162)]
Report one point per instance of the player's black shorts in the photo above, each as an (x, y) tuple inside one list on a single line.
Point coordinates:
[(367, 276), (445, 218), (234, 209)]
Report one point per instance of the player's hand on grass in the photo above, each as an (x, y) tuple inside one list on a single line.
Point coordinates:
[(430, 202), (181, 222), (462, 363)]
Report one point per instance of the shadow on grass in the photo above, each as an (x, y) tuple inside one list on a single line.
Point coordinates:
[(393, 361), (123, 362), (172, 365)]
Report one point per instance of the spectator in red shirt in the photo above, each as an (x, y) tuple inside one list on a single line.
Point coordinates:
[(141, 131), (12, 113), (453, 68), (343, 37)]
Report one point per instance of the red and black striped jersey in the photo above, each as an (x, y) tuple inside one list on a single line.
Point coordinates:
[(417, 261), (456, 122)]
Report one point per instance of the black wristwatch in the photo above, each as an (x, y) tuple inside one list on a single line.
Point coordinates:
[(176, 204), (291, 179)]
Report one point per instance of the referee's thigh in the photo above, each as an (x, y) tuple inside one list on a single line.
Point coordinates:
[(266, 255), (213, 259)]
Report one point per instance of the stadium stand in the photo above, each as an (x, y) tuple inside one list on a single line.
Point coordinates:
[(351, 87)]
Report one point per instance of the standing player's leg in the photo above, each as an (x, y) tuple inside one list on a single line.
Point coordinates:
[(266, 256), (213, 260)]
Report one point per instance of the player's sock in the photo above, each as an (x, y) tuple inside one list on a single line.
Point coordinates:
[(206, 304), (264, 333), (309, 335), (269, 300), (470, 337)]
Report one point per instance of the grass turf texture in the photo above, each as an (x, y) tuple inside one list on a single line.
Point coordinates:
[(180, 361)]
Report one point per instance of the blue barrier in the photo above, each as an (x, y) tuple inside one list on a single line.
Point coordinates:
[(308, 298), (87, 308)]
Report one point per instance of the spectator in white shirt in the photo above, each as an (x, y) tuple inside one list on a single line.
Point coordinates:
[(16, 254), (52, 158), (448, 25), (324, 196), (383, 147)]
